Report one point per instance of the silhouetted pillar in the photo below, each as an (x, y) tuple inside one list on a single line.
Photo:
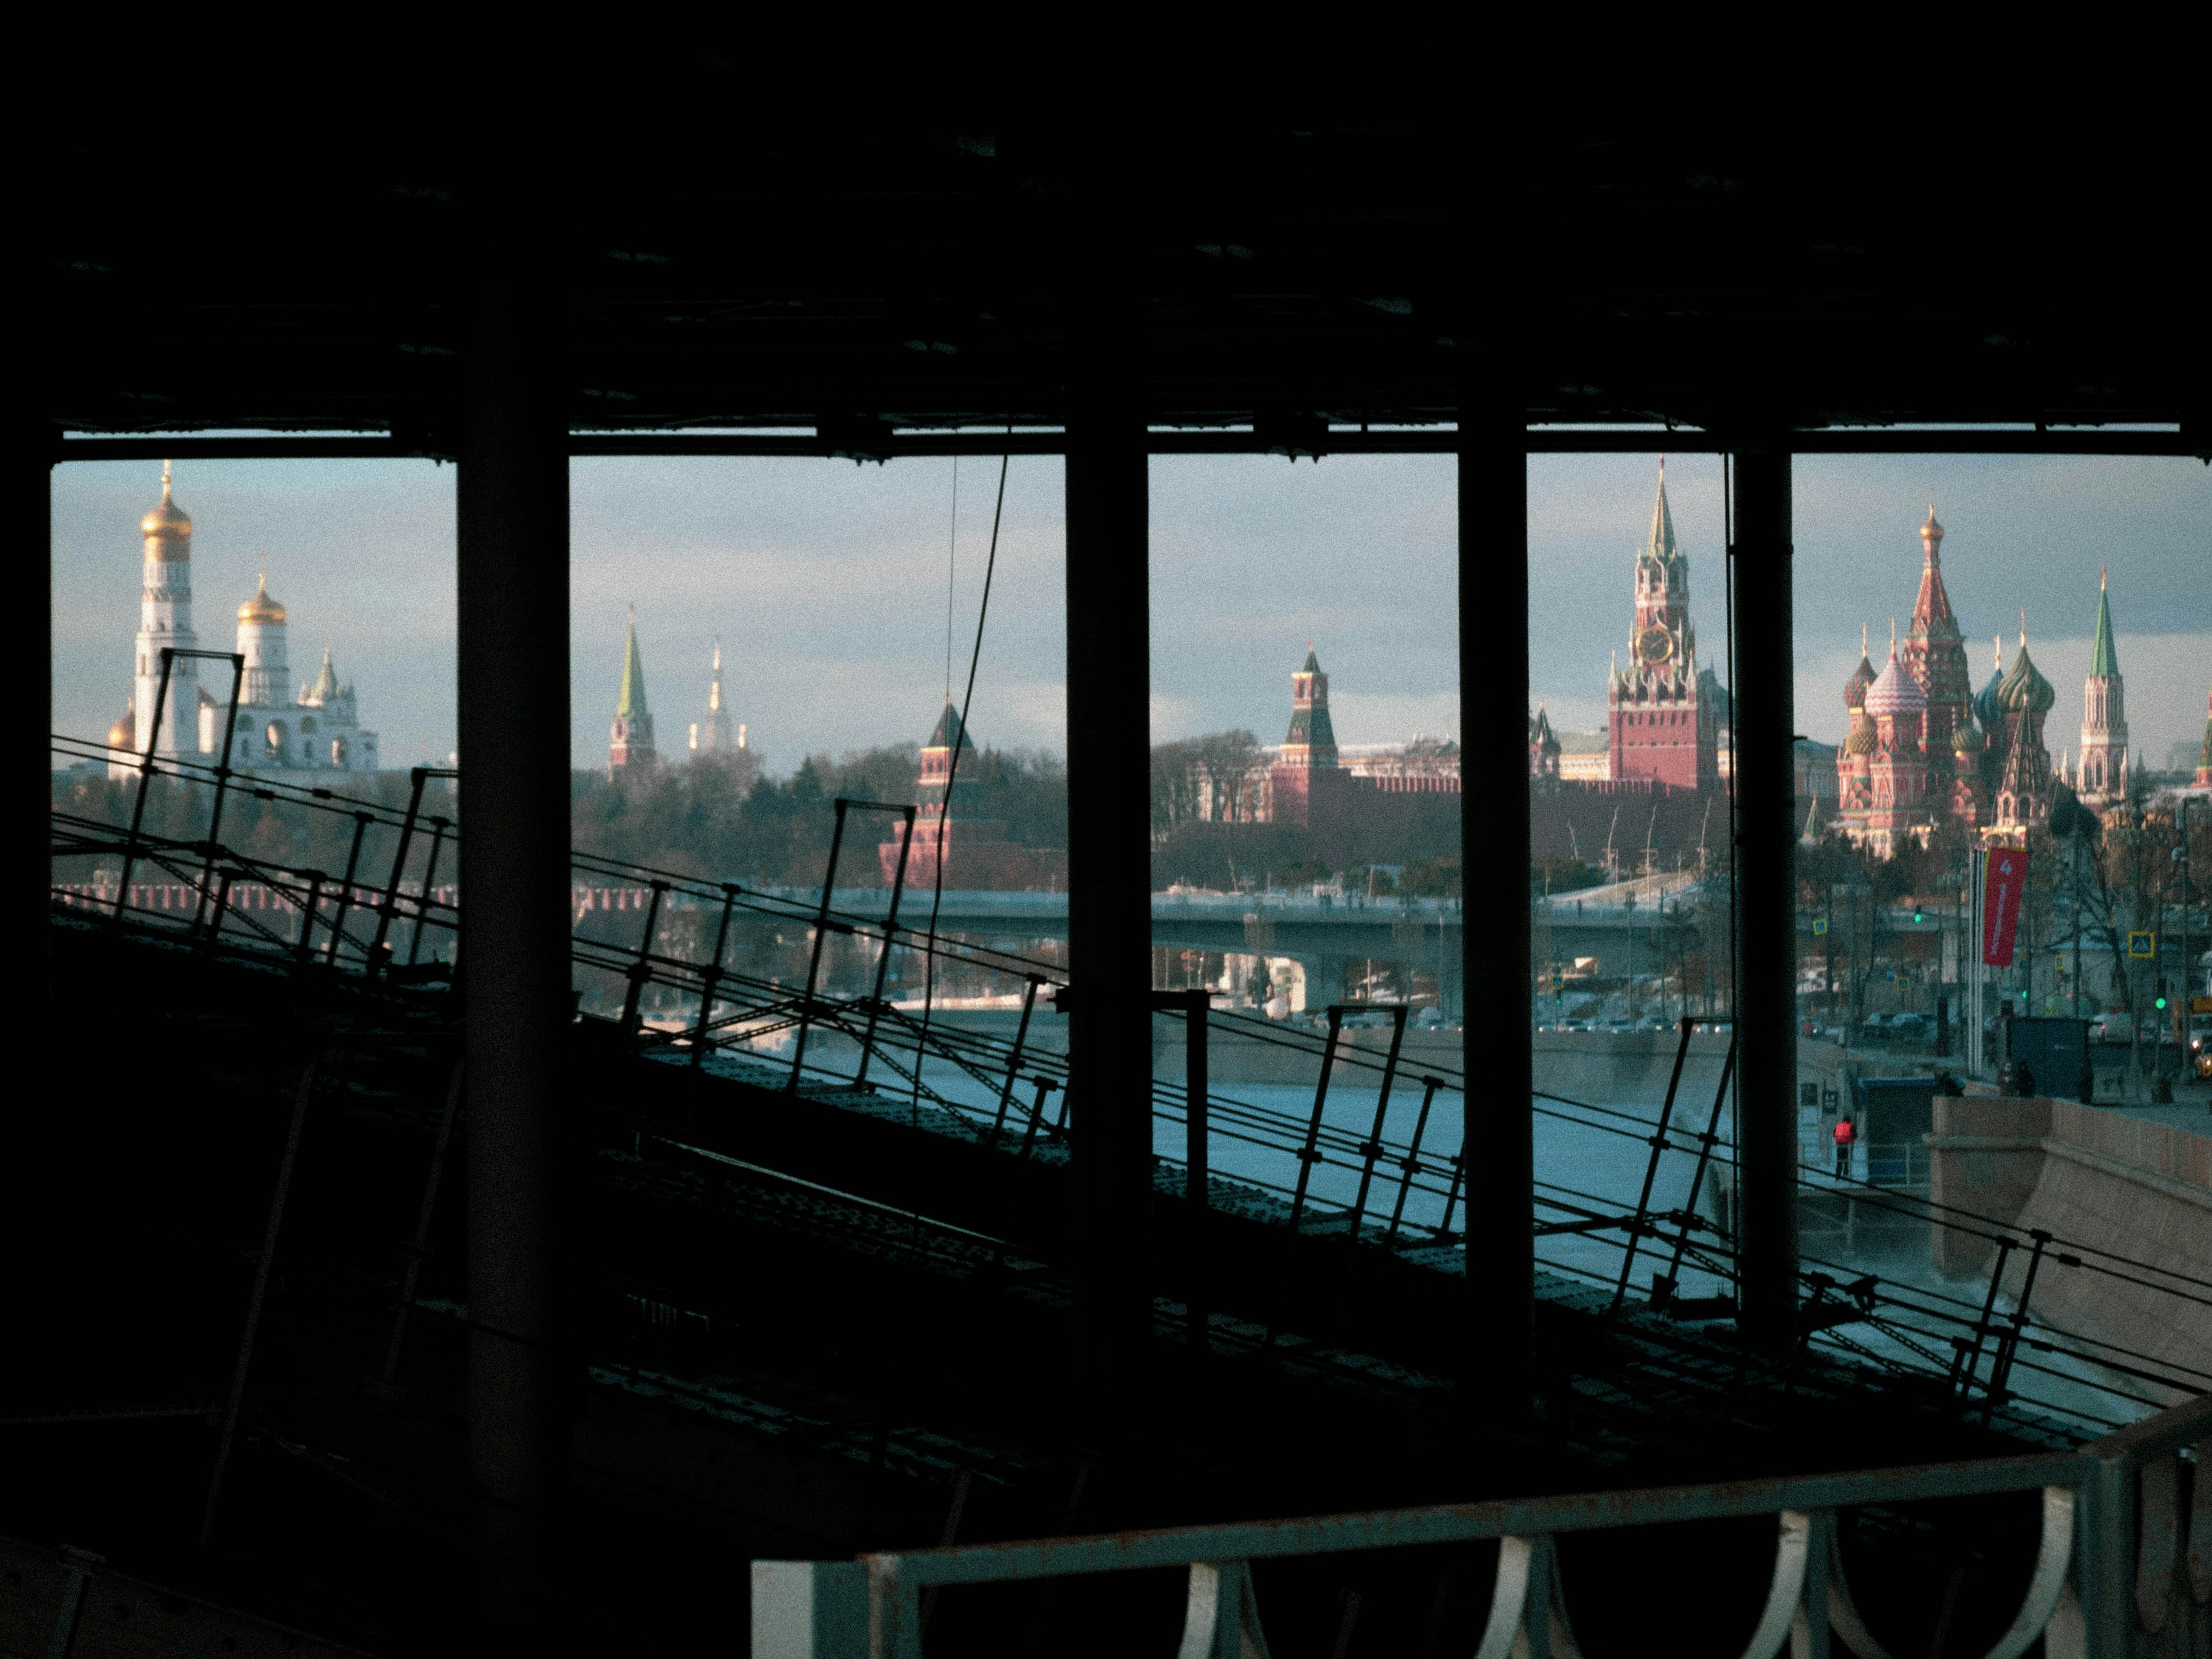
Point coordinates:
[(1109, 911), (35, 467), (513, 499), (1766, 895), (1498, 1142)]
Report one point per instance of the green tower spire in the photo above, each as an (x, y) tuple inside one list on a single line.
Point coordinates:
[(631, 704), (2105, 657)]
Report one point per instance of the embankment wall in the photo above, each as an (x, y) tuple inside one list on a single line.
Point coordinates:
[(2090, 1177)]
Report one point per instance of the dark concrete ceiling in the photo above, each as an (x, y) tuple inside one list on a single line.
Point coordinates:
[(847, 276)]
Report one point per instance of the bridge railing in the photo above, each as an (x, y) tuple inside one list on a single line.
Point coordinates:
[(2119, 1559)]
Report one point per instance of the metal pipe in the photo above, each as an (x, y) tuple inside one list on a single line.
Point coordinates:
[(1765, 789), (304, 946), (437, 828), (641, 970), (222, 906), (389, 909), (1308, 1154), (1013, 1057), (1707, 1142), (361, 822), (712, 975), (883, 962), (145, 779), (221, 776), (1411, 1161), (1044, 1086), (821, 940), (1651, 1167), (2008, 1344), (1371, 1148)]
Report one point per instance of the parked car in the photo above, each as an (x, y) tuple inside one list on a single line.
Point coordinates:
[(2109, 1027), (1908, 1027)]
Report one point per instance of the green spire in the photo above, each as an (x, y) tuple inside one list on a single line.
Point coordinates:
[(2104, 658), (632, 703)]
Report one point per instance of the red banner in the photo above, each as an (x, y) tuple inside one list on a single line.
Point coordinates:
[(2003, 875)]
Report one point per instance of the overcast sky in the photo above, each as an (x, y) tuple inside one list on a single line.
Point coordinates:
[(827, 583)]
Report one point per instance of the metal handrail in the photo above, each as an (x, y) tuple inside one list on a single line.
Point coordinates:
[(735, 1009), (2101, 1571)]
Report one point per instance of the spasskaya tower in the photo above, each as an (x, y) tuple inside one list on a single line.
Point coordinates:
[(1662, 710)]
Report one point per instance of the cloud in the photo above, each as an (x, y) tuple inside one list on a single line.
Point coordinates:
[(827, 584)]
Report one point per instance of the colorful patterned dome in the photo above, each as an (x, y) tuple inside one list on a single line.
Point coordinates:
[(1855, 688), (1860, 740), (2024, 688), (1894, 691), (1966, 740)]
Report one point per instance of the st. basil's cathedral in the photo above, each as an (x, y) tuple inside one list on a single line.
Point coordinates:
[(1924, 748)]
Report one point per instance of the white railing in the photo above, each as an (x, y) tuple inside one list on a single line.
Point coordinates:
[(2116, 1560)]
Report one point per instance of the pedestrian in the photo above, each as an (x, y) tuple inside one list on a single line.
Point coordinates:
[(1846, 1135)]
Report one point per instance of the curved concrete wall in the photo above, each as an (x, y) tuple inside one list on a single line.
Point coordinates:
[(2090, 1177)]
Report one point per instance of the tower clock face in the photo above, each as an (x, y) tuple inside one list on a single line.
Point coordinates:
[(1654, 644)]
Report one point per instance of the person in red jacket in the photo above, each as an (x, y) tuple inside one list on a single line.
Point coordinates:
[(1846, 1135)]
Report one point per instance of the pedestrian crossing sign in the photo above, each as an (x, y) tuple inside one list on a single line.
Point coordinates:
[(1820, 925), (2141, 944)]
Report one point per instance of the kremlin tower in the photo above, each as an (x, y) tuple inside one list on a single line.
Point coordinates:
[(1661, 713), (630, 753), (975, 853), (1308, 784), (2101, 779)]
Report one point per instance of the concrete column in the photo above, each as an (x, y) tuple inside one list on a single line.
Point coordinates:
[(513, 504), (34, 454), (1109, 911), (1766, 895), (1499, 1146)]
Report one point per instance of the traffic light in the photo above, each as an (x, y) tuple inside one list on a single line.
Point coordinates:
[(1915, 916), (2161, 1005)]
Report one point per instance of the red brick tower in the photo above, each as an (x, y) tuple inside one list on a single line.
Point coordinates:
[(1661, 712), (1310, 787)]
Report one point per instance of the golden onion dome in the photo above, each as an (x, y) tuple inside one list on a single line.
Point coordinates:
[(1861, 741), (1966, 741), (124, 734), (169, 522), (261, 608)]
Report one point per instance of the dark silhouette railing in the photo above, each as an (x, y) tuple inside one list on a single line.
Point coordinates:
[(685, 1000)]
